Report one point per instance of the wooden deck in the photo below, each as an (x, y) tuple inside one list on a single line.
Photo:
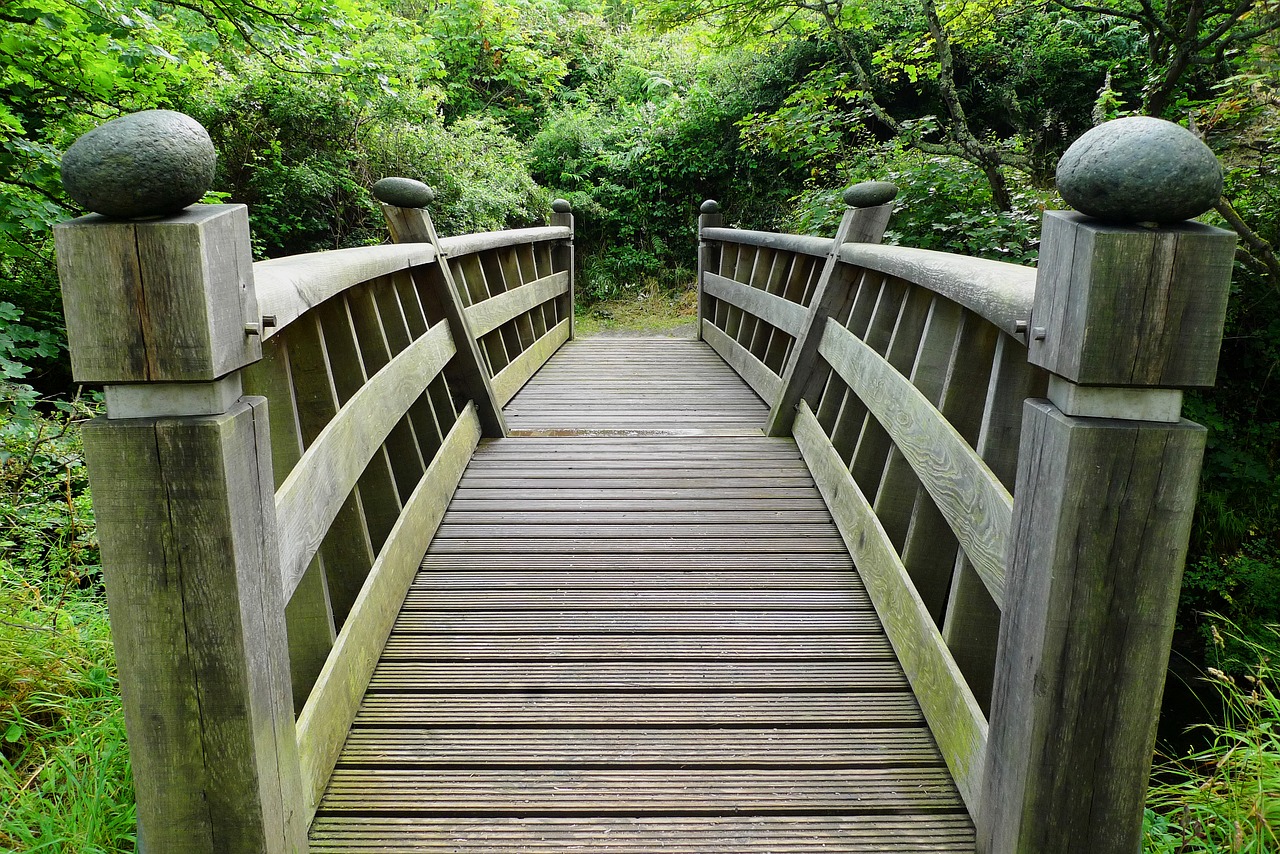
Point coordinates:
[(638, 630)]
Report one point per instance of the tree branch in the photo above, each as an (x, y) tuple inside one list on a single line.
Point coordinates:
[(1260, 249)]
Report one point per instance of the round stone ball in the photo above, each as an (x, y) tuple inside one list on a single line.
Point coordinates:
[(142, 165), (870, 194), (710, 206), (1140, 169), (403, 193), (562, 206)]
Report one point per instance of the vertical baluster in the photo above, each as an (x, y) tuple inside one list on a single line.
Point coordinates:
[(562, 259), (709, 258)]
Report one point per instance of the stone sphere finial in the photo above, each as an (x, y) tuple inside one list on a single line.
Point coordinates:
[(870, 194), (710, 206), (1140, 169), (403, 193), (562, 206), (141, 165)]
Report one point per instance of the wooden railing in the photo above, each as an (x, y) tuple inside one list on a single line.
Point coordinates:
[(280, 444), (1024, 555)]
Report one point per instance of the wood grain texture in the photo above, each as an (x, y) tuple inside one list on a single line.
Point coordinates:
[(999, 292), (165, 300), (315, 490), (289, 287), (772, 309), (799, 243), (492, 313), (953, 713), (1131, 306), (1088, 622), (512, 378), (466, 244), (765, 382), (974, 502), (332, 706), (186, 526)]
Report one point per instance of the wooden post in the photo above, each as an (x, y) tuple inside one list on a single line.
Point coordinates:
[(1125, 316), (869, 206), (709, 216), (562, 258), (413, 225), (163, 312)]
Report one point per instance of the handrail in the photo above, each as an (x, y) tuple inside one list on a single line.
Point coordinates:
[(997, 291), (1004, 579), (287, 287), (802, 244), (280, 446)]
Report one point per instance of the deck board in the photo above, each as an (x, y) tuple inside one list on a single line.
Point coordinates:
[(637, 630)]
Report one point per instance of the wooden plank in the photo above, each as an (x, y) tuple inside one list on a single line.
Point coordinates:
[(487, 316), (953, 713), (847, 647), (765, 382), (975, 504), (522, 748), (515, 375), (654, 579), (676, 708), (631, 622), (408, 677), (778, 599), (466, 244), (638, 545), (799, 243), (878, 834), (332, 706), (485, 791), (319, 484), (773, 309)]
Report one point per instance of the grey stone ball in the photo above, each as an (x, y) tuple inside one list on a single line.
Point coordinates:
[(870, 194), (1140, 169), (710, 206), (562, 206), (403, 193), (142, 165)]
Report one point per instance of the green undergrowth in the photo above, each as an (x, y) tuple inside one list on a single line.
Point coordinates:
[(653, 311), (65, 784), (1226, 797)]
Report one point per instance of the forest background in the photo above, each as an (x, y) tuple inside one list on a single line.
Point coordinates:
[(635, 112)]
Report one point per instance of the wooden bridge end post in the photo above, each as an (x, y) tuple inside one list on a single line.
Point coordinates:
[(868, 208), (413, 225), (163, 312), (562, 258), (1125, 317), (709, 216)]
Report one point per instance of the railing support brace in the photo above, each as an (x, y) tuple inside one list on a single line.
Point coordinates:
[(413, 225), (1102, 515), (864, 221), (562, 258), (709, 216), (184, 498)]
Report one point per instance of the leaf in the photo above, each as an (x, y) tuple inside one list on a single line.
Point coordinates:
[(14, 733)]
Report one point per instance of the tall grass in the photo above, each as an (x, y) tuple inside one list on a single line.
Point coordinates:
[(1226, 797)]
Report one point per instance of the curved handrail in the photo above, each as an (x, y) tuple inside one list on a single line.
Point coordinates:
[(995, 290), (288, 287), (802, 243), (466, 244)]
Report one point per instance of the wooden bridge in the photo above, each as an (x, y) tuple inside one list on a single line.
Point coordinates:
[(887, 560)]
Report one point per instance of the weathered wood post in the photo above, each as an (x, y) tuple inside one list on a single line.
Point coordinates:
[(163, 312), (562, 259), (1126, 315), (709, 216), (404, 206), (868, 208)]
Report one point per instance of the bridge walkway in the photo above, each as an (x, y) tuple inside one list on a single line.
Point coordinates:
[(639, 630)]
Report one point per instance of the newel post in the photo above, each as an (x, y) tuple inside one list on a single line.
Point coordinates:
[(1127, 314), (163, 312), (562, 258), (709, 216), (404, 206), (868, 208)]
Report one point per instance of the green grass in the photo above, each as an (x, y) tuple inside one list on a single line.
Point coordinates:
[(653, 312), (65, 784), (1226, 797)]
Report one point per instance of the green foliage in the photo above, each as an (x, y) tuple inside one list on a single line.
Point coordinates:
[(1223, 798)]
